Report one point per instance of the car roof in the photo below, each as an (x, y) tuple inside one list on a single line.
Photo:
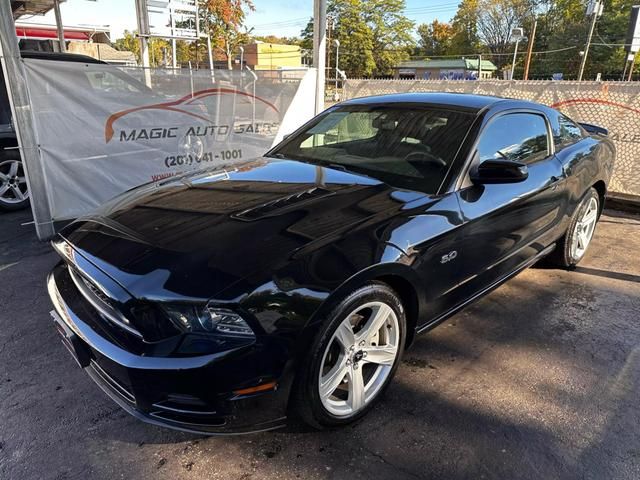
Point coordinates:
[(466, 101), (60, 57)]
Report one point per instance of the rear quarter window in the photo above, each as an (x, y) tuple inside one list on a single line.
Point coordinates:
[(566, 132)]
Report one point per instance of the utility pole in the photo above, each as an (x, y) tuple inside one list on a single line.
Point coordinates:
[(530, 50), (595, 10)]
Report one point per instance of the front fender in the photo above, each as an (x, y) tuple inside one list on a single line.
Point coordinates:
[(372, 273)]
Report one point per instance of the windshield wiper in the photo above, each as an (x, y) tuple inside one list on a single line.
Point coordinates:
[(313, 161), (336, 166)]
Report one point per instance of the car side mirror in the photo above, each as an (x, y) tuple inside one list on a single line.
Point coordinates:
[(499, 171)]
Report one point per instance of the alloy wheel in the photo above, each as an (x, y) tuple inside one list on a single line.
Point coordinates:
[(13, 184), (359, 358), (584, 229)]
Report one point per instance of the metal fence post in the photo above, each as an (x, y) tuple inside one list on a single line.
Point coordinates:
[(16, 83), (320, 49), (59, 25)]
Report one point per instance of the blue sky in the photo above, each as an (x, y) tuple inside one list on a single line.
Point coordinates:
[(282, 18)]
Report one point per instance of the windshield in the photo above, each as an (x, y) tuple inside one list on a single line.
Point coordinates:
[(407, 147)]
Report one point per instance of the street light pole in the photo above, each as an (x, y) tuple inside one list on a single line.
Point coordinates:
[(513, 63), (595, 9), (337, 44), (517, 34)]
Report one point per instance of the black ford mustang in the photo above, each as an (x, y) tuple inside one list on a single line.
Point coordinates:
[(224, 300)]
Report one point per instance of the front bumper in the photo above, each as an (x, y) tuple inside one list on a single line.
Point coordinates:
[(192, 394)]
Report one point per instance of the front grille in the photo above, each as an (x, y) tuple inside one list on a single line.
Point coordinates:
[(99, 294), (190, 419), (101, 301), (113, 384)]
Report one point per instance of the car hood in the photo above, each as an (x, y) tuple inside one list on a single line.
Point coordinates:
[(191, 237)]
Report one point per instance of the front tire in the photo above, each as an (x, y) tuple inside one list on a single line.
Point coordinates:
[(573, 245), (353, 358)]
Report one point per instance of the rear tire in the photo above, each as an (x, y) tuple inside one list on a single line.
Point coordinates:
[(572, 247), (353, 358), (14, 194)]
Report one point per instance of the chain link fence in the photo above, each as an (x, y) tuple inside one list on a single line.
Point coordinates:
[(612, 105)]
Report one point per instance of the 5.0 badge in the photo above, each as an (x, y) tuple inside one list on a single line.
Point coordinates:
[(449, 256)]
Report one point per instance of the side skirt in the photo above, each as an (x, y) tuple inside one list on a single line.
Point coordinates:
[(438, 320)]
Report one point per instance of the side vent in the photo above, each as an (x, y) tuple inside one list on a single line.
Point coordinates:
[(281, 204)]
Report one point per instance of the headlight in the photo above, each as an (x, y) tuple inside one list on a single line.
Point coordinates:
[(198, 318)]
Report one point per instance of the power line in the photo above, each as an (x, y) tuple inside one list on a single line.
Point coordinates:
[(449, 5), (410, 11), (284, 22)]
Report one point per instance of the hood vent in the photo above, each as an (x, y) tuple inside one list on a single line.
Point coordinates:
[(281, 204)]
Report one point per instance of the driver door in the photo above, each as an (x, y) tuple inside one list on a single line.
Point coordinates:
[(508, 224)]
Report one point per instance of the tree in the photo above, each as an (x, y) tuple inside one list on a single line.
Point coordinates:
[(157, 48), (374, 35), (496, 19), (306, 36), (355, 37), (391, 32), (434, 38), (277, 40), (563, 25), (223, 19), (464, 38), (129, 43)]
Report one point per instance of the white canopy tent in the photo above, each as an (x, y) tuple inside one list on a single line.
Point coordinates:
[(16, 83)]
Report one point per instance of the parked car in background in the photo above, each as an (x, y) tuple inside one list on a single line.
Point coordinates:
[(224, 301), (14, 194)]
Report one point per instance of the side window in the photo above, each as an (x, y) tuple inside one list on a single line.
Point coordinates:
[(521, 137), (568, 132)]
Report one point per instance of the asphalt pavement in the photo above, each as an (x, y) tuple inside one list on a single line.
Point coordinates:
[(538, 380)]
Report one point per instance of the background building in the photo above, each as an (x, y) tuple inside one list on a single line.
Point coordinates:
[(272, 56), (87, 40), (444, 69)]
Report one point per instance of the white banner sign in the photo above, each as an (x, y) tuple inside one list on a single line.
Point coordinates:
[(102, 131)]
